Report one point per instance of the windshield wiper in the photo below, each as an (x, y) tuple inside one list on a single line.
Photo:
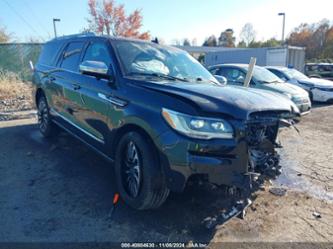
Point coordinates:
[(158, 75), (199, 79), (269, 82)]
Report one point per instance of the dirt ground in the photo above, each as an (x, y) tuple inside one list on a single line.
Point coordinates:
[(59, 190)]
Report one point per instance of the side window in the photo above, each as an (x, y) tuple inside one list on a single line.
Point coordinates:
[(215, 71), (71, 56), (279, 74), (49, 53), (233, 75), (98, 52)]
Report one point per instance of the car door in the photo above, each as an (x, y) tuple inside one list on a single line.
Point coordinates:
[(94, 92), (66, 79), (233, 75)]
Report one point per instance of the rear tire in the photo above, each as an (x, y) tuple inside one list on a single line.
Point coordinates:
[(139, 177), (46, 127)]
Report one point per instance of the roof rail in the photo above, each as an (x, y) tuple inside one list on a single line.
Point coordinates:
[(84, 34)]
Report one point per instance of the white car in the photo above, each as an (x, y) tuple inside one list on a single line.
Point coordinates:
[(320, 90)]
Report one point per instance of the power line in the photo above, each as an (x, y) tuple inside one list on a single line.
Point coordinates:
[(23, 19), (36, 17)]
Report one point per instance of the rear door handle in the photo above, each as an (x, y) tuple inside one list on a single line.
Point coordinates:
[(76, 86)]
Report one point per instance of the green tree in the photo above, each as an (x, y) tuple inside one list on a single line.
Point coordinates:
[(210, 41), (227, 39), (271, 43), (255, 44), (186, 42)]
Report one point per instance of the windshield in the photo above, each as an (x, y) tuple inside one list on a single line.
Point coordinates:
[(265, 76), (294, 74), (142, 59)]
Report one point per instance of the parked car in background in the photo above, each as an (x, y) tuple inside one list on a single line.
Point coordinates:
[(319, 70), (263, 79), (157, 114), (320, 90)]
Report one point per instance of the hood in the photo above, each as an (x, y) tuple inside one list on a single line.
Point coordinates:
[(234, 101), (286, 88), (318, 82)]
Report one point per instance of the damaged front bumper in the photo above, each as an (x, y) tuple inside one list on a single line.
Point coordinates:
[(232, 162)]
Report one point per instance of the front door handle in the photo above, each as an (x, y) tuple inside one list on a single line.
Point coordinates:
[(114, 100), (76, 86)]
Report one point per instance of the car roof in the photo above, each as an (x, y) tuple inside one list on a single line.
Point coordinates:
[(87, 36), (318, 64), (239, 65), (280, 68)]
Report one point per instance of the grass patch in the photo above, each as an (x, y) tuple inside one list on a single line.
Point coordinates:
[(15, 95)]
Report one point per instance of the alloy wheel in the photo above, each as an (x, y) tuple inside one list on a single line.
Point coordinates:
[(131, 170), (43, 116)]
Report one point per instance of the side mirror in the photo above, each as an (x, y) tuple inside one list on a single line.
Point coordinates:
[(223, 80), (95, 68)]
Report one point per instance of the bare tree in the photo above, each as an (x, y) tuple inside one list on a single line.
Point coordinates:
[(248, 34), (4, 36)]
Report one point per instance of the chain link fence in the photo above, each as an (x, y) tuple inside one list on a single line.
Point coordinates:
[(15, 57)]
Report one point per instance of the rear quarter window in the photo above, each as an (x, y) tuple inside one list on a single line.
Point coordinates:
[(49, 53)]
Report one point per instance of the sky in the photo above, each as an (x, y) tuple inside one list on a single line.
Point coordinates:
[(166, 19)]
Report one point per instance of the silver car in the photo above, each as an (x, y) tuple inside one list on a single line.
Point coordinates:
[(320, 90)]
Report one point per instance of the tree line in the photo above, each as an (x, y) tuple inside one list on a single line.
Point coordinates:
[(108, 17), (317, 38)]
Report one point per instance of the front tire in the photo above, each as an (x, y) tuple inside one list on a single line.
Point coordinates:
[(46, 127), (139, 177)]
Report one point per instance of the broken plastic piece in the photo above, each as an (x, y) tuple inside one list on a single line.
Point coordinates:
[(115, 198), (114, 202), (278, 191), (316, 215)]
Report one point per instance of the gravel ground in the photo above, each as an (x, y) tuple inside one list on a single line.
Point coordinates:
[(15, 96), (308, 177), (59, 190)]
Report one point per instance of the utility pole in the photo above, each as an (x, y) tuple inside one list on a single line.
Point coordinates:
[(283, 25), (54, 26)]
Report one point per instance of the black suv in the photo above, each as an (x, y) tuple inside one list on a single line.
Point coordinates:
[(156, 114)]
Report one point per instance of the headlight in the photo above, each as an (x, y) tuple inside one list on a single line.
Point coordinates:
[(297, 99), (198, 127)]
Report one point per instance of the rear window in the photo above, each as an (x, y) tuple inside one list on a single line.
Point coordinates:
[(49, 53)]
